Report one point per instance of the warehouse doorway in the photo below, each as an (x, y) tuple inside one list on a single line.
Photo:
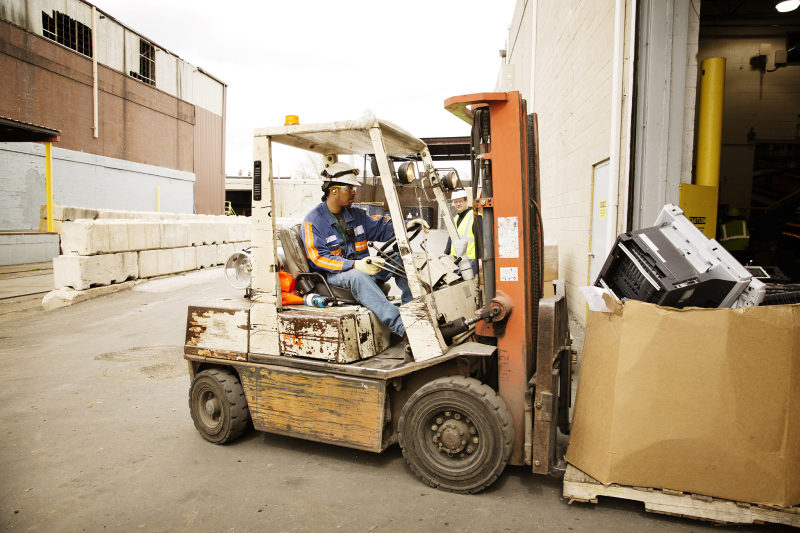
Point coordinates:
[(760, 155)]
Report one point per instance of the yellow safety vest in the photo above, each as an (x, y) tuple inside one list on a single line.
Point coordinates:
[(735, 236), (465, 232)]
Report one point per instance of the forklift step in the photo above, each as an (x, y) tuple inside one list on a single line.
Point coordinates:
[(580, 487)]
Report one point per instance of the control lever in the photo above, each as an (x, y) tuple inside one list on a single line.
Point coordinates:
[(388, 269)]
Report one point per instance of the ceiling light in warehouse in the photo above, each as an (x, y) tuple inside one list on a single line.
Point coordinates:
[(787, 5)]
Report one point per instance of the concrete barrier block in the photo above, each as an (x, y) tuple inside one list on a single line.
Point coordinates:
[(247, 230), (200, 232), (79, 213), (206, 256), (148, 263), (179, 259), (190, 255), (220, 231), (136, 235), (239, 246), (152, 235), (84, 237), (165, 262), (168, 216), (82, 272), (174, 235), (223, 252), (117, 234)]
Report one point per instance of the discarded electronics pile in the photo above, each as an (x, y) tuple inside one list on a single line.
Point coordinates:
[(674, 264)]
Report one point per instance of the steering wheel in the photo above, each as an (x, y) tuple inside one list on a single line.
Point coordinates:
[(393, 241)]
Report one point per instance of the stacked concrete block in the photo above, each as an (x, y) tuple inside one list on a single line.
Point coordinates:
[(84, 237), (174, 234), (82, 272), (117, 235), (223, 252), (206, 256), (200, 232), (68, 213), (152, 235), (148, 263), (239, 246)]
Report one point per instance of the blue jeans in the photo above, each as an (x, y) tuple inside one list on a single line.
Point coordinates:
[(366, 290)]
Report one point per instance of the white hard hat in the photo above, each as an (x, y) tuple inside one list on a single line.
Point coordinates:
[(459, 194), (341, 173)]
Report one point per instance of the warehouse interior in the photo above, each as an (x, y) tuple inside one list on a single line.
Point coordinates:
[(760, 155)]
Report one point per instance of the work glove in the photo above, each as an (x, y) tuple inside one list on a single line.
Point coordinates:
[(418, 222), (371, 268)]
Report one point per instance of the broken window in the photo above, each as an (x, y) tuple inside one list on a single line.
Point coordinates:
[(62, 29), (147, 63)]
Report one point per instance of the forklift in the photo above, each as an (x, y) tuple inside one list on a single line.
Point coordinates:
[(486, 378)]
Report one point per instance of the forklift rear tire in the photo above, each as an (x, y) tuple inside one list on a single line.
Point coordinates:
[(218, 405), (456, 434)]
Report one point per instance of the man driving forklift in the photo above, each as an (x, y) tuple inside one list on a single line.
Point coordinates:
[(335, 237)]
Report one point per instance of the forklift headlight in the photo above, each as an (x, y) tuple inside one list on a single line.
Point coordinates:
[(407, 173), (449, 181)]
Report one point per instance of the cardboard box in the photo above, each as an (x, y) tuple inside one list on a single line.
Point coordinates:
[(550, 261), (705, 401)]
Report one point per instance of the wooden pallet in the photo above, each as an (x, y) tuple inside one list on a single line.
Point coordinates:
[(580, 487)]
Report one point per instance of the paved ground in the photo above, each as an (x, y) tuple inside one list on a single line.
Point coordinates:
[(97, 437)]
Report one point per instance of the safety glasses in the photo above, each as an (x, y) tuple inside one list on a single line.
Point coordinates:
[(348, 188)]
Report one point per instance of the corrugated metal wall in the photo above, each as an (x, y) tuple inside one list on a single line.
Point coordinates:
[(209, 162)]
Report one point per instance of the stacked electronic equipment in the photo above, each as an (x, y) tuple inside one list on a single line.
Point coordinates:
[(674, 264)]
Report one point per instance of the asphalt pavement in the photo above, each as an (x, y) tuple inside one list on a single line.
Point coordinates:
[(97, 437)]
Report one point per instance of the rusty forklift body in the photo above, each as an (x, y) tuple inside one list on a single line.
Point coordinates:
[(479, 393)]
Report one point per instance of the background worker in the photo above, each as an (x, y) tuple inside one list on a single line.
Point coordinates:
[(335, 237), (464, 219), (735, 238)]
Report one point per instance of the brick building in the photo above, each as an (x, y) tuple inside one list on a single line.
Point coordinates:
[(159, 129)]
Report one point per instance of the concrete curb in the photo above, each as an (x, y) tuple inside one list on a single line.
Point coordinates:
[(64, 297)]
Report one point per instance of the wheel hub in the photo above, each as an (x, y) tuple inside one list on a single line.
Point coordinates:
[(452, 436), (212, 406)]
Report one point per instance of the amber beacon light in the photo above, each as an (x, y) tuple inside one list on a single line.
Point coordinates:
[(292, 120)]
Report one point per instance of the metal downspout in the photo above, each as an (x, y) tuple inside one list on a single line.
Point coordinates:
[(616, 123)]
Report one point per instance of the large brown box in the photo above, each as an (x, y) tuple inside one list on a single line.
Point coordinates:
[(704, 401)]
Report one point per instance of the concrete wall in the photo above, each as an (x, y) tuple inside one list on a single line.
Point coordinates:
[(768, 103), (84, 180)]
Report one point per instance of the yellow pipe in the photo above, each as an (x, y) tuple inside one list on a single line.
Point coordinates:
[(48, 165), (158, 199), (709, 127)]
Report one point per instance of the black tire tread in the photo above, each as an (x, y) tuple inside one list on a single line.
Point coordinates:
[(480, 390), (234, 395)]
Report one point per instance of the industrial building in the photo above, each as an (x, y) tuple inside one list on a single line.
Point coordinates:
[(616, 85), (140, 128)]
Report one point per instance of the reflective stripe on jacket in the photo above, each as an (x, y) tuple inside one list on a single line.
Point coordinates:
[(464, 230), (734, 235), (323, 241)]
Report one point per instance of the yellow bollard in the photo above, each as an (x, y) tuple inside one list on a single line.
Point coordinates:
[(709, 127), (48, 180)]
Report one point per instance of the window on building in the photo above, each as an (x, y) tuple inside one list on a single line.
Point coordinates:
[(62, 29), (147, 63)]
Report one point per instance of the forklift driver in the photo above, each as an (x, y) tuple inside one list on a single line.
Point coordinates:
[(335, 237)]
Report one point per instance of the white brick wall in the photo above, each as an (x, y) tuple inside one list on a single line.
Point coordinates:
[(572, 96)]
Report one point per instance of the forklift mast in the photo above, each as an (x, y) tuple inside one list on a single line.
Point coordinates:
[(504, 154)]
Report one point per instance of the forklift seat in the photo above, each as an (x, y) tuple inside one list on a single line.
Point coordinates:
[(297, 263)]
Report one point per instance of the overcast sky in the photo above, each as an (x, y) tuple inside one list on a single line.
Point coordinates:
[(327, 61)]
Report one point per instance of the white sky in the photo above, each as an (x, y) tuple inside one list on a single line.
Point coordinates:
[(327, 61)]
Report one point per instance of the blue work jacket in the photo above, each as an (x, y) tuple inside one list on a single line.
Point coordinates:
[(323, 241)]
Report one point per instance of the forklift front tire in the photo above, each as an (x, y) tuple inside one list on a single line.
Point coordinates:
[(456, 434), (218, 405)]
